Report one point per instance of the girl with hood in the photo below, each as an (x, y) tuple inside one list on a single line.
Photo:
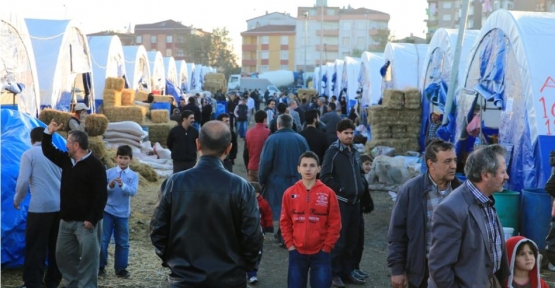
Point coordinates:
[(524, 264)]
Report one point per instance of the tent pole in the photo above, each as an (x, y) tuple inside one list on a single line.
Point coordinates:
[(456, 60)]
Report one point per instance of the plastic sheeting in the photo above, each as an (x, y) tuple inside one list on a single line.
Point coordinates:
[(527, 119), (437, 74), (137, 68), (17, 64), (15, 138), (350, 78), (406, 65), (336, 78), (157, 70), (183, 76), (370, 78), (107, 61), (61, 54), (196, 83), (191, 72), (323, 87), (316, 79), (171, 70)]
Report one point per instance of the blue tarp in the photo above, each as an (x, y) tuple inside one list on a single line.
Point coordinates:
[(171, 90), (16, 127)]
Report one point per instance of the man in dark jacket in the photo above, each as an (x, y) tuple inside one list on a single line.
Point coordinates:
[(182, 142), (229, 161), (83, 195), (281, 109), (411, 217), (192, 106), (214, 247), (316, 139), (342, 172), (330, 119)]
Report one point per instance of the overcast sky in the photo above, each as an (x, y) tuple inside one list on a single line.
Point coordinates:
[(407, 16)]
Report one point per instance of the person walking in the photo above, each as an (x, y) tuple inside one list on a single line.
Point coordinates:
[(316, 139), (203, 247), (182, 142), (229, 161), (254, 142)]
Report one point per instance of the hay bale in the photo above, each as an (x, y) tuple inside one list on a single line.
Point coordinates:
[(381, 131), (97, 146), (398, 131), (112, 98), (47, 115), (159, 132), (96, 124), (127, 97), (109, 157), (127, 113), (141, 96), (144, 170), (413, 130), (114, 83), (160, 116), (413, 99), (376, 114), (163, 98), (394, 99)]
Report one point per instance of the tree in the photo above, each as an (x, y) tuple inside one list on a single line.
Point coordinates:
[(195, 47), (381, 39), (356, 53)]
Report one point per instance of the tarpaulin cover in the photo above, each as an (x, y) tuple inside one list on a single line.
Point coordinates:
[(330, 70), (172, 90), (336, 79), (17, 64), (322, 88), (137, 68), (350, 78), (196, 82), (16, 127), (191, 72), (316, 79), (370, 78), (157, 70), (107, 61), (527, 117), (171, 70), (183, 76), (406, 65)]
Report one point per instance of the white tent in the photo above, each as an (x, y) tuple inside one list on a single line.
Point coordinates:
[(337, 74), (191, 73), (349, 79), (137, 68), (17, 65), (196, 82), (370, 78), (157, 71), (330, 70), (183, 76), (406, 62), (63, 63), (316, 79), (107, 61), (171, 70)]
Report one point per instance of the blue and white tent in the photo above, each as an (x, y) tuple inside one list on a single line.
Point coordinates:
[(172, 87), (349, 79), (510, 76), (330, 71), (191, 72), (437, 75), (183, 76), (18, 71), (137, 68), (196, 82), (336, 78), (107, 61), (316, 79), (370, 78), (157, 71), (63, 62), (403, 65)]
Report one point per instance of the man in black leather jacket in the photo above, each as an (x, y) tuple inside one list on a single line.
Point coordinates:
[(206, 226)]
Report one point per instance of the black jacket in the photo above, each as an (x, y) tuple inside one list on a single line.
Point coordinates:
[(206, 227), (342, 172), (182, 143), (193, 108), (317, 141)]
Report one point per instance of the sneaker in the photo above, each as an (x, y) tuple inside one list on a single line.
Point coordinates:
[(337, 282), (101, 272), (360, 274), (123, 274), (253, 280), (551, 267)]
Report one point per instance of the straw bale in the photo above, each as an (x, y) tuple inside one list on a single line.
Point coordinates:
[(163, 98), (97, 146), (47, 115), (112, 98), (114, 83), (144, 170), (127, 113), (109, 157), (413, 98), (96, 124), (159, 132), (413, 130), (394, 99), (141, 96), (401, 145), (127, 97), (398, 131), (381, 131), (160, 116), (376, 114)]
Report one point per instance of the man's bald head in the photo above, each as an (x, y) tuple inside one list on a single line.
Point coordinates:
[(214, 138)]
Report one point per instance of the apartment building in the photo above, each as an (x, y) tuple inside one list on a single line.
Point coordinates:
[(447, 13)]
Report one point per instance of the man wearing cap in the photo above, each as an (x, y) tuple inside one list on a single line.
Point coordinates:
[(435, 123), (77, 121)]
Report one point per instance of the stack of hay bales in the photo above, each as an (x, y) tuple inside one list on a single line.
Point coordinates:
[(60, 117), (158, 132), (396, 123), (141, 96), (119, 102), (95, 126), (214, 82)]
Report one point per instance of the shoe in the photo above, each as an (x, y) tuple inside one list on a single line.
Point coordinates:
[(101, 272), (253, 280), (551, 267), (123, 274), (337, 282), (361, 274), (354, 280)]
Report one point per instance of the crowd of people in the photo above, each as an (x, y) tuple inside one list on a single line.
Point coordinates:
[(304, 176)]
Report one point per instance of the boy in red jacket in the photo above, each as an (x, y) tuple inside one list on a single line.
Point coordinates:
[(266, 223), (310, 223)]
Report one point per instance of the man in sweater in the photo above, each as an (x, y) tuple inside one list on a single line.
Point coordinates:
[(43, 216), (83, 195), (254, 142), (182, 142)]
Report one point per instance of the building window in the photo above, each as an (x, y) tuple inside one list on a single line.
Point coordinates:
[(168, 52), (263, 68), (265, 39), (346, 26), (331, 40), (446, 17), (139, 39), (284, 67), (330, 12), (284, 40), (153, 39), (346, 41), (331, 25), (360, 42), (169, 38), (264, 55), (284, 55), (180, 53), (447, 5), (361, 25)]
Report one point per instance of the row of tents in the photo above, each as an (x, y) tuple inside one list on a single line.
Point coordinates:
[(506, 77), (52, 63)]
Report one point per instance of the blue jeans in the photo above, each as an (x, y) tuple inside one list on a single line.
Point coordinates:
[(299, 264), (242, 128), (120, 228)]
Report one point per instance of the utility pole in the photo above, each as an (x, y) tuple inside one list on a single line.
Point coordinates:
[(305, 37)]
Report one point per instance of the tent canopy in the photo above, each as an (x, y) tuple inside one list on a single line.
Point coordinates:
[(17, 65), (137, 68), (336, 78), (406, 62), (63, 62), (171, 70), (157, 70), (191, 72), (196, 81), (107, 60), (370, 78), (350, 78), (183, 76)]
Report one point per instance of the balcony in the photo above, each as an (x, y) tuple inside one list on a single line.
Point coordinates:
[(327, 32), (249, 47)]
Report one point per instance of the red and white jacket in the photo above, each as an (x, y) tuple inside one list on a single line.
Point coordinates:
[(310, 220)]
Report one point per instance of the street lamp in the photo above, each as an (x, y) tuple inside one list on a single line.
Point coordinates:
[(305, 37)]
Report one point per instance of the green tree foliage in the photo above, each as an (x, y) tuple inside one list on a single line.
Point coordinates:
[(382, 37)]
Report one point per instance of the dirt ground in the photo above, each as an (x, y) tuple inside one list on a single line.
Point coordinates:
[(146, 270)]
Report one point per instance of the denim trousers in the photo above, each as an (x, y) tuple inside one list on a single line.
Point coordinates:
[(119, 227), (242, 128), (299, 265)]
